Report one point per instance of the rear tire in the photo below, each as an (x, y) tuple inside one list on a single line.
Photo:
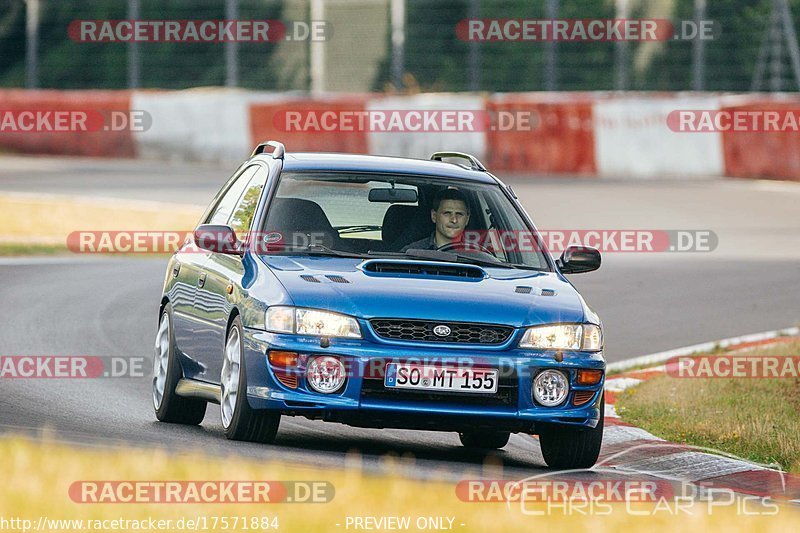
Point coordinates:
[(239, 420), (167, 372), (486, 440), (568, 448)]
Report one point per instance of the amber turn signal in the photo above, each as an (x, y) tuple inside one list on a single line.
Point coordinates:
[(589, 377), (282, 359)]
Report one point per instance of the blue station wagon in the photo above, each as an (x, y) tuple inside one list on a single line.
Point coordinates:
[(379, 292)]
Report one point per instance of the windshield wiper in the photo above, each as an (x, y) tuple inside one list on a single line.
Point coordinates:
[(319, 249), (344, 230), (438, 255)]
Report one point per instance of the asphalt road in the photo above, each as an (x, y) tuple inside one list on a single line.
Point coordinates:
[(649, 302)]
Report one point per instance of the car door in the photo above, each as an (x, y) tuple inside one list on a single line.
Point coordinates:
[(223, 272), (190, 316)]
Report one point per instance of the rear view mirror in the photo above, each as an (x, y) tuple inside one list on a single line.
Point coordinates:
[(393, 196), (577, 259)]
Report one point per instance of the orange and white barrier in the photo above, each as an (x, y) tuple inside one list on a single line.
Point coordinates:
[(762, 154), (87, 123), (614, 135), (541, 133), (310, 125), (197, 125)]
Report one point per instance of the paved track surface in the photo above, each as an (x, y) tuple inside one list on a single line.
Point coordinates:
[(649, 302)]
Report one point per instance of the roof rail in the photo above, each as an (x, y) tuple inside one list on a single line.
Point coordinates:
[(278, 150), (473, 161)]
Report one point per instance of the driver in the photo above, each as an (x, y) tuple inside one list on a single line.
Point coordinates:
[(450, 214)]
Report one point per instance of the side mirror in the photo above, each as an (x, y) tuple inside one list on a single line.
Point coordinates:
[(577, 259), (217, 238)]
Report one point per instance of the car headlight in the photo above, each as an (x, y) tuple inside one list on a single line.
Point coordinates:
[(564, 337), (285, 319)]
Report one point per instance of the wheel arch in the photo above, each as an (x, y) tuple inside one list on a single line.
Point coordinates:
[(231, 317), (162, 305)]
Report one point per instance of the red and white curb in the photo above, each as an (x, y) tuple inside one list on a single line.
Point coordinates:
[(629, 449)]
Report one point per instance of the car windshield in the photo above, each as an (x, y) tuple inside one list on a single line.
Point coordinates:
[(386, 215)]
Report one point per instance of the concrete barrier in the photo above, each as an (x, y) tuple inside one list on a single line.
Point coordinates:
[(633, 140)]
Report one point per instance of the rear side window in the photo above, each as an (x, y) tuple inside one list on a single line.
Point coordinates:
[(226, 205)]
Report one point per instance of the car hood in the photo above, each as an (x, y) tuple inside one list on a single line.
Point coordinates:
[(498, 295)]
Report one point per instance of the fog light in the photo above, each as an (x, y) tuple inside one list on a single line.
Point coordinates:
[(325, 374), (550, 387), (589, 377)]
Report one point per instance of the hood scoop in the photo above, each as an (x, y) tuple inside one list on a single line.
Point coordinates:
[(424, 269)]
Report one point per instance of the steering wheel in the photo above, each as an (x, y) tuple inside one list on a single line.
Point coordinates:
[(467, 247)]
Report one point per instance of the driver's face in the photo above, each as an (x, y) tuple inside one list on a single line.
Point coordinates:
[(451, 218)]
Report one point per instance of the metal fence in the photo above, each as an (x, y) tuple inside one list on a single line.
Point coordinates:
[(404, 45)]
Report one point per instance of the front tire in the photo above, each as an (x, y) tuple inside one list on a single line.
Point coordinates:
[(239, 420), (492, 440), (568, 448), (167, 372)]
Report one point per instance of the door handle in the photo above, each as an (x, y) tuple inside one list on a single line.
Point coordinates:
[(202, 280)]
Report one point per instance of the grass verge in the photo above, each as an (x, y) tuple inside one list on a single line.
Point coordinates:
[(754, 418), (39, 224), (37, 476), (10, 249)]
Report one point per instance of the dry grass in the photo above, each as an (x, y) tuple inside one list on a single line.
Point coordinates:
[(36, 478), (753, 418), (47, 220)]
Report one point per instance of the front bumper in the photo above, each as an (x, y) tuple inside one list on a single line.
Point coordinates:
[(364, 401)]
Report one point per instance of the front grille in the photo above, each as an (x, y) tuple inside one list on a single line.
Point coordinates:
[(506, 395), (423, 330), (288, 379), (582, 396)]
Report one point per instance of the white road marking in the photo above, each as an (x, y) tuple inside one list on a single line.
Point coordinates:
[(611, 411), (615, 434), (620, 384)]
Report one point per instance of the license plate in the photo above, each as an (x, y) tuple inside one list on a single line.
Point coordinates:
[(440, 378)]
